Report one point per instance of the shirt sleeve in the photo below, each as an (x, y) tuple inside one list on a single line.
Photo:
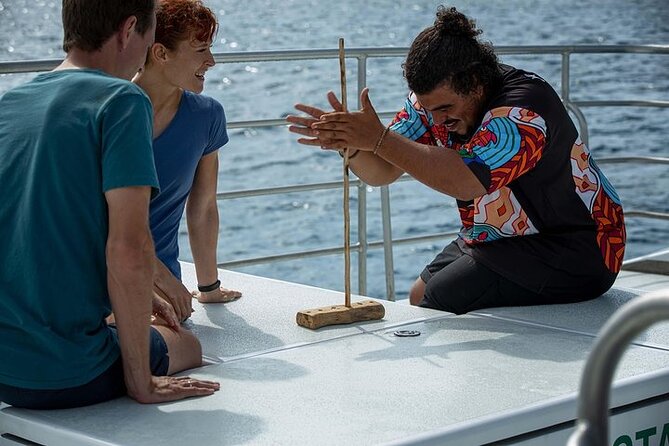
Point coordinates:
[(509, 142), (127, 151), (218, 132), (415, 123)]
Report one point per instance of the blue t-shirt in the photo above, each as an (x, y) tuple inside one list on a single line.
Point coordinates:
[(66, 138), (197, 129)]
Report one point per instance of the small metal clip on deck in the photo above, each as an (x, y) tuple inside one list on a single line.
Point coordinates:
[(406, 333)]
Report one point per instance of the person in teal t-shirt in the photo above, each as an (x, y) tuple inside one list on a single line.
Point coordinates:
[(188, 130), (77, 171)]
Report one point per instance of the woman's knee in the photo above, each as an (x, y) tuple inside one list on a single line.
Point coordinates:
[(184, 349)]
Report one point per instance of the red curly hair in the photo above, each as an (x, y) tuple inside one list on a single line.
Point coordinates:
[(178, 20)]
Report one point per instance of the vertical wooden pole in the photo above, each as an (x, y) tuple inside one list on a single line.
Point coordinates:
[(347, 217)]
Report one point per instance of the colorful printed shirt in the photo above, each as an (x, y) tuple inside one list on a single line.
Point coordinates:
[(541, 181)]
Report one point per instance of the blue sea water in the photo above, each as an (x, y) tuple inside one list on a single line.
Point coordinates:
[(256, 158)]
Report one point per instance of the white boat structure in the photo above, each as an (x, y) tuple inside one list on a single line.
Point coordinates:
[(496, 376)]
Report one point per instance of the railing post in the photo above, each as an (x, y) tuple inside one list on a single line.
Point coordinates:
[(565, 92), (362, 239), (362, 195), (612, 341), (387, 243), (564, 82), (362, 76), (582, 122)]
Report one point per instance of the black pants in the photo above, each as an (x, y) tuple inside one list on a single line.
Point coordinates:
[(457, 283)]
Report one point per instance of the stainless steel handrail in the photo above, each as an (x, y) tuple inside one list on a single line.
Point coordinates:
[(613, 339), (362, 55)]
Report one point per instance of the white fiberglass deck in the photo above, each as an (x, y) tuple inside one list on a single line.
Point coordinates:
[(499, 375)]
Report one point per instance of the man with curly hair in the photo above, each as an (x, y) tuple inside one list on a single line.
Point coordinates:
[(541, 224)]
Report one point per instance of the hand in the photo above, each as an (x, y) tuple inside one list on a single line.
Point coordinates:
[(355, 130), (163, 310), (220, 295), (172, 388), (303, 124), (176, 294)]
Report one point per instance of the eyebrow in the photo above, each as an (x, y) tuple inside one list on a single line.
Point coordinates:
[(438, 107)]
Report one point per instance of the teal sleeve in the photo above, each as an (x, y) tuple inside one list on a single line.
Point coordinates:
[(127, 143)]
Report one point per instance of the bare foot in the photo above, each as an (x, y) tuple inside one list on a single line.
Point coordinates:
[(220, 295)]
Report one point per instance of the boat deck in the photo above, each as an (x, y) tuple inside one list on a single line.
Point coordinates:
[(505, 375)]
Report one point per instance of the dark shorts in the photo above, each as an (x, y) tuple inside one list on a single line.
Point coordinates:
[(106, 386), (457, 283)]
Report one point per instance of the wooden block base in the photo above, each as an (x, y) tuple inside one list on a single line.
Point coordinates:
[(366, 310)]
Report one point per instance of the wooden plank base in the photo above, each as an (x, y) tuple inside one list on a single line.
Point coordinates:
[(366, 310)]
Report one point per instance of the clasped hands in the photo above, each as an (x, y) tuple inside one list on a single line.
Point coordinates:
[(172, 302), (338, 129)]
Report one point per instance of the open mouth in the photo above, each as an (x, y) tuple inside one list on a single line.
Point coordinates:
[(200, 76), (451, 123)]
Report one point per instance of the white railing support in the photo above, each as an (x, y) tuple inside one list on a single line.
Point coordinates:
[(592, 428)]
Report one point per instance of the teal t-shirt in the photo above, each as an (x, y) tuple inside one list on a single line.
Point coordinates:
[(66, 137)]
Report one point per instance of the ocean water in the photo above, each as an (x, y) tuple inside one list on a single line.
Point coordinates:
[(255, 158)]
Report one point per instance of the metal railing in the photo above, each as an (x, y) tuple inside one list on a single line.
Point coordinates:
[(362, 55), (592, 428)]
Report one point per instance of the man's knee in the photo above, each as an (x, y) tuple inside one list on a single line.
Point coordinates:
[(437, 297), (417, 292)]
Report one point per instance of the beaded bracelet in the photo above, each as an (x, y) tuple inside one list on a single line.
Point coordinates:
[(380, 140), (207, 288)]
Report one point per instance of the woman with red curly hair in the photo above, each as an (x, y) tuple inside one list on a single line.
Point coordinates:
[(188, 130)]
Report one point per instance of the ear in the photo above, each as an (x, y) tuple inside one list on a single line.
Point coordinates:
[(158, 52), (126, 30)]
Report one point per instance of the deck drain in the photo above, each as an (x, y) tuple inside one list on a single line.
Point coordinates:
[(407, 333)]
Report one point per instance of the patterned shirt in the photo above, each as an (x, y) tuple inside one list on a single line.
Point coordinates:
[(539, 176)]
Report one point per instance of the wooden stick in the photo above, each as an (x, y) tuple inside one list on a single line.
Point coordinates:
[(366, 310), (347, 217), (349, 312)]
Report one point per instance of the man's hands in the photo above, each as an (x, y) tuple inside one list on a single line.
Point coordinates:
[(172, 388), (177, 295), (338, 129), (173, 291), (303, 125), (165, 311)]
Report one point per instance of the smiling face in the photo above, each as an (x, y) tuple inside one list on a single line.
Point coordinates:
[(459, 113), (186, 65)]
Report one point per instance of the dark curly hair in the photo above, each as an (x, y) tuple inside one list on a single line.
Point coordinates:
[(450, 52)]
